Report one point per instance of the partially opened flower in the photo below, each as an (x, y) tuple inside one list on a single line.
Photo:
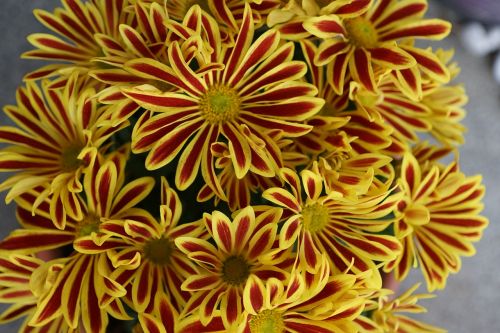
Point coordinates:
[(386, 315), (239, 191), (408, 118), (76, 27), (289, 19), (446, 103), (341, 228), (305, 303), (333, 143), (254, 93), (438, 220), (228, 13), (57, 139), (16, 273), (368, 44), (226, 268)]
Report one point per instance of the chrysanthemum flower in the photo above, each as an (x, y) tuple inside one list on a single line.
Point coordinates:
[(78, 25), (341, 228), (365, 44), (306, 303), (228, 13), (386, 315), (82, 292), (16, 271), (239, 191), (438, 219), (446, 105), (349, 145), (289, 19), (407, 118), (57, 139), (227, 266), (151, 263), (254, 93)]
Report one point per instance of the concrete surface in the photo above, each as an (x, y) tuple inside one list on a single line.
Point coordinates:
[(471, 301)]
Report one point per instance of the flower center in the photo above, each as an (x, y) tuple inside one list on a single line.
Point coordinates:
[(235, 270), (69, 158), (315, 217), (414, 214), (361, 32), (159, 251), (88, 225), (267, 321), (220, 104)]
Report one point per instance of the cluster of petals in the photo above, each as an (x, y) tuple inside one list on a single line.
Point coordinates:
[(242, 166)]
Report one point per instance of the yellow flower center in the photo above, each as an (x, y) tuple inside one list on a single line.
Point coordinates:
[(69, 158), (88, 225), (235, 270), (415, 214), (361, 32), (159, 251), (267, 321), (220, 104), (369, 99), (315, 217)]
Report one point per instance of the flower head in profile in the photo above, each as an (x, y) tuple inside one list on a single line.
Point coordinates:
[(225, 269), (16, 272), (74, 41), (372, 43), (326, 223), (438, 220), (386, 314), (256, 92), (306, 303), (57, 139)]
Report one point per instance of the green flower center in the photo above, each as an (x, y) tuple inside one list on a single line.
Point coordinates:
[(159, 251), (267, 321), (235, 270), (88, 225), (315, 217), (220, 104), (361, 32), (69, 158)]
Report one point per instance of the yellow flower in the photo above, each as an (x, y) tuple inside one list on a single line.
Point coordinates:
[(306, 303), (79, 25), (83, 290), (58, 136), (228, 267), (145, 255), (256, 92), (16, 272), (386, 315), (364, 44), (341, 228), (438, 220)]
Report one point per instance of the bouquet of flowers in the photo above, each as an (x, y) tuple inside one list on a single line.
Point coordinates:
[(254, 166)]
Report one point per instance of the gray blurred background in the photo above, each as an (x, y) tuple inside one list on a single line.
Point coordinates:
[(471, 301)]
